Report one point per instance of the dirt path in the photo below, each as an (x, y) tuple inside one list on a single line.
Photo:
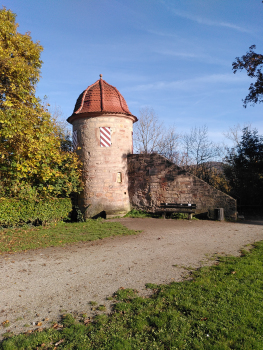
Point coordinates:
[(43, 284)]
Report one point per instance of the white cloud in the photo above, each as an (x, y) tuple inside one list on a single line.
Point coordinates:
[(187, 84), (178, 53), (190, 55), (162, 33), (209, 22), (205, 21)]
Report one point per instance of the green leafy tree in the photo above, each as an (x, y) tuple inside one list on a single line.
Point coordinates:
[(252, 62), (244, 169), (32, 161), (63, 132)]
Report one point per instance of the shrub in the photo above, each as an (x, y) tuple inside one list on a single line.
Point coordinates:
[(16, 212)]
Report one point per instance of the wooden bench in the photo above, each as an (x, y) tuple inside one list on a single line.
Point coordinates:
[(187, 208)]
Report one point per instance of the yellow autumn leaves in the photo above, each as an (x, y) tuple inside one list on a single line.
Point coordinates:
[(32, 162)]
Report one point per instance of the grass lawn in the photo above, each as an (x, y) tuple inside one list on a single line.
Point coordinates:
[(221, 307), (17, 239)]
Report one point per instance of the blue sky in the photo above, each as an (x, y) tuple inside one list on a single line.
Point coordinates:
[(173, 56)]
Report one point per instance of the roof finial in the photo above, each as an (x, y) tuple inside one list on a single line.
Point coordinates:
[(100, 76)]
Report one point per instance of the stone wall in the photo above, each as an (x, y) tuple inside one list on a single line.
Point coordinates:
[(104, 191), (153, 180)]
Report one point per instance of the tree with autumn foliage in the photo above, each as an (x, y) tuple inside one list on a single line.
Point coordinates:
[(32, 162)]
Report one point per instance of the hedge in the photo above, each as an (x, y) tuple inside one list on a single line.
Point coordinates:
[(16, 212)]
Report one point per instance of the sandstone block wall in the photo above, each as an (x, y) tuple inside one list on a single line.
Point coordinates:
[(101, 165), (153, 180)]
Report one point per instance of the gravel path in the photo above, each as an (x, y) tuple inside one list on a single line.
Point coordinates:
[(40, 285)]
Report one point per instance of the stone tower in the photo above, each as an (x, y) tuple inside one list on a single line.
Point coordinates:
[(102, 136)]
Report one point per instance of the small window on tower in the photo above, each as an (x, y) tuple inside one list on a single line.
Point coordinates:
[(75, 140), (105, 136), (119, 177)]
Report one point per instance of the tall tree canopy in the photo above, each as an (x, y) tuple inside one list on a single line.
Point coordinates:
[(32, 162), (252, 62), (245, 169)]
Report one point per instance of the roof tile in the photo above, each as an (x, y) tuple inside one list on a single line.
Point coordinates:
[(100, 97)]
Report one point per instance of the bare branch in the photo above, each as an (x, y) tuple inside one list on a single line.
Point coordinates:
[(197, 148), (150, 135)]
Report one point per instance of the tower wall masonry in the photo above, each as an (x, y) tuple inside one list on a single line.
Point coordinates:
[(104, 168)]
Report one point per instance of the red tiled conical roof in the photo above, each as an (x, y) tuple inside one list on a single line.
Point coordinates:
[(100, 97)]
